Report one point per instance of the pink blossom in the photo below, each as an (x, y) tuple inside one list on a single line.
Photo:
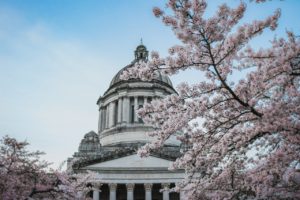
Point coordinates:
[(25, 176), (248, 138), (157, 12)]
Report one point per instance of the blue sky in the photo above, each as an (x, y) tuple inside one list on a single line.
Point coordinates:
[(58, 56)]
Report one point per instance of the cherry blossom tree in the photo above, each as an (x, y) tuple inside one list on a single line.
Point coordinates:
[(244, 135), (24, 176)]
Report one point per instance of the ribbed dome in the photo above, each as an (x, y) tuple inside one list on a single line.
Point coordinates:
[(160, 78)]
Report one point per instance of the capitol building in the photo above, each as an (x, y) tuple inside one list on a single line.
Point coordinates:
[(111, 152)]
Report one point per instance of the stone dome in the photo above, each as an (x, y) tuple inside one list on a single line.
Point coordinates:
[(159, 78), (118, 122), (140, 53)]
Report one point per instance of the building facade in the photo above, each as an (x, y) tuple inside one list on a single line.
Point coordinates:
[(111, 152)]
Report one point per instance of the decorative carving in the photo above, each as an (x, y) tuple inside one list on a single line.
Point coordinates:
[(130, 186), (165, 186), (112, 186), (97, 185), (148, 186)]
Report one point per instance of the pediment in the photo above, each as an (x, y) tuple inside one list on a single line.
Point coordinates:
[(132, 162)]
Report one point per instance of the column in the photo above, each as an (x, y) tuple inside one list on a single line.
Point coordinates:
[(96, 191), (120, 110), (104, 118), (112, 107), (148, 191), (145, 100), (96, 195), (181, 195), (112, 191), (125, 113), (80, 195), (130, 188), (107, 116), (136, 106), (100, 120), (165, 187)]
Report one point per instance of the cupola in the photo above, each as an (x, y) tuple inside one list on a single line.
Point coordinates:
[(118, 120)]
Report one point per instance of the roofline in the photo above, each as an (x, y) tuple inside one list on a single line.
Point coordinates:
[(134, 81), (121, 155)]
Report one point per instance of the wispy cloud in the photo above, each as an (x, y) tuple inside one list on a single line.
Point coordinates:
[(49, 86)]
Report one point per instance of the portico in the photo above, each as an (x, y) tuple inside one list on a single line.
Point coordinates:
[(147, 191), (136, 178)]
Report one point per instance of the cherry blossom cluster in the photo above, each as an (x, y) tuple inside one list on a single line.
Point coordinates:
[(25, 176), (244, 135)]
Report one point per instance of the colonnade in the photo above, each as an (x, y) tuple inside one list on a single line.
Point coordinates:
[(120, 111), (130, 191)]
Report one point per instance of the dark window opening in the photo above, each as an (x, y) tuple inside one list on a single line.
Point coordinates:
[(116, 114), (131, 110), (140, 119), (121, 192), (139, 192), (132, 114)]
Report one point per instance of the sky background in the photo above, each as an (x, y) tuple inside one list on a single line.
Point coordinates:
[(58, 56)]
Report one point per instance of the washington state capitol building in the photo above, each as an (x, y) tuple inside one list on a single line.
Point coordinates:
[(112, 151)]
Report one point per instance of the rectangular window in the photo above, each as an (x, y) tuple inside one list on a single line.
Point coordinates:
[(116, 113), (131, 113), (140, 119)]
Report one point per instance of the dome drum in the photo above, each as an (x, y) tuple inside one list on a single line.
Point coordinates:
[(118, 121), (160, 79), (117, 115)]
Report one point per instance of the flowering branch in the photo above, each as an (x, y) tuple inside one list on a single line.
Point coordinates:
[(244, 135)]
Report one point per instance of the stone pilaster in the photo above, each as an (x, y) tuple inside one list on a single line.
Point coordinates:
[(125, 113), (145, 100), (182, 195), (120, 110), (100, 120), (136, 106), (96, 191), (103, 118), (148, 191), (107, 116), (112, 191), (112, 107), (130, 188), (80, 195), (166, 187)]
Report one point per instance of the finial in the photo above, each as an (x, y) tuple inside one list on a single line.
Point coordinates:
[(141, 41)]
